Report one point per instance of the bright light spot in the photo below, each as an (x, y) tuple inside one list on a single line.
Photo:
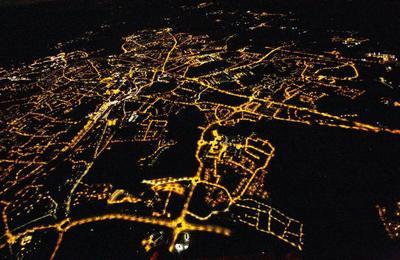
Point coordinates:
[(186, 237), (179, 248)]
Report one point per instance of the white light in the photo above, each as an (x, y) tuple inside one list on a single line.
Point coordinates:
[(179, 248)]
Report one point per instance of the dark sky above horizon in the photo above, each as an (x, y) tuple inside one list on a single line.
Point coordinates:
[(43, 23)]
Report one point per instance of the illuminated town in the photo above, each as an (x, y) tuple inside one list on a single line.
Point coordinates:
[(66, 116)]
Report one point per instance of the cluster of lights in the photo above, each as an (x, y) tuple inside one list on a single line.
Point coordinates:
[(43, 130)]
